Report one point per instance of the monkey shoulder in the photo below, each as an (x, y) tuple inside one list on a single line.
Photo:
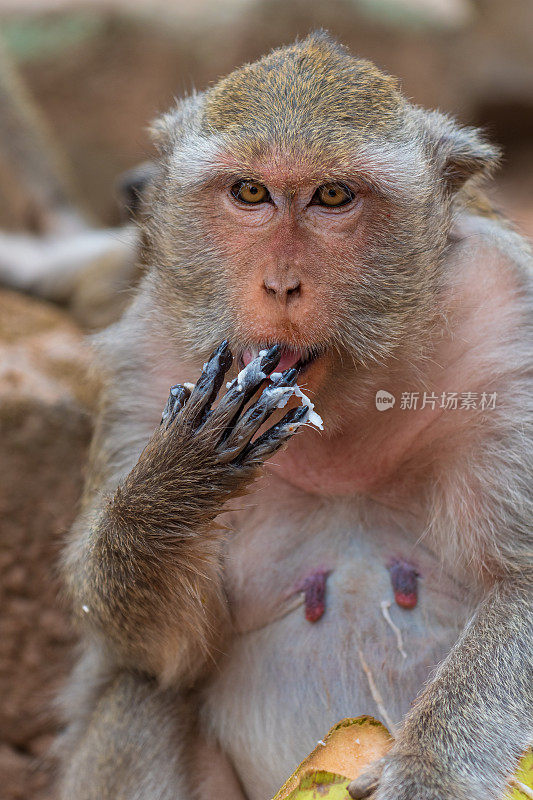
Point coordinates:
[(476, 236), (490, 292)]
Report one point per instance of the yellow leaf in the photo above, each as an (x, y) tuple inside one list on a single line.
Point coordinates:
[(524, 776), (319, 785), (347, 750)]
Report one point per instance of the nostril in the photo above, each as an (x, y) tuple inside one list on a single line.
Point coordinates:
[(292, 288), (269, 289), (293, 291), (282, 289)]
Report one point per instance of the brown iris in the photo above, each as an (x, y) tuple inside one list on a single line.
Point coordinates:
[(333, 195), (250, 192)]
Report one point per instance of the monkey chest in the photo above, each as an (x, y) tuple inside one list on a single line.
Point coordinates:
[(332, 621)]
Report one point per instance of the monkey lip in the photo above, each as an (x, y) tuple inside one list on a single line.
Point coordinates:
[(290, 357)]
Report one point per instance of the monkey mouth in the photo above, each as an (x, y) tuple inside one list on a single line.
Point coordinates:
[(299, 358)]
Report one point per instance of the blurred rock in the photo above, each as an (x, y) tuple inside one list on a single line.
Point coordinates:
[(91, 271), (46, 394)]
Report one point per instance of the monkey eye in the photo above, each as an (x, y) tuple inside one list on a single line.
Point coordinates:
[(332, 195), (250, 192)]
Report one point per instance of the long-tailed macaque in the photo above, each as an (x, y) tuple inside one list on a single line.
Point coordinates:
[(320, 226)]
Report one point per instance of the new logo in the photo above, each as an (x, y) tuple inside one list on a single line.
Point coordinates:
[(384, 400)]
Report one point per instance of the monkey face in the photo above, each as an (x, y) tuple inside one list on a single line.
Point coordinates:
[(287, 241), (290, 252), (303, 201), (317, 255)]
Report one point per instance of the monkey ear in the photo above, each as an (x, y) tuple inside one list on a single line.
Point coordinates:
[(133, 186), (462, 153), (164, 130)]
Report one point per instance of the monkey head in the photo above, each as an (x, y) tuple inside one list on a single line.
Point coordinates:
[(304, 201)]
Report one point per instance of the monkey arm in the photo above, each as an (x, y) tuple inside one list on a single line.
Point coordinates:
[(470, 725), (154, 595), (146, 572)]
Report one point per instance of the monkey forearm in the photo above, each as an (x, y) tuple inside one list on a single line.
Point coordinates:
[(146, 573), (473, 721), (156, 599)]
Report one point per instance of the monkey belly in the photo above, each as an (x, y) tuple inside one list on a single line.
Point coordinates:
[(284, 683)]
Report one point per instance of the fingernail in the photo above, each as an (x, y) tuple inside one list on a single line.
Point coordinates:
[(273, 351), (298, 414), (271, 358), (289, 376), (221, 358), (218, 349)]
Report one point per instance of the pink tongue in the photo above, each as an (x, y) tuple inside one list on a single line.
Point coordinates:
[(289, 358)]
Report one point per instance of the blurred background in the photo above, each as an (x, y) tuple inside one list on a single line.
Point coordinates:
[(87, 78)]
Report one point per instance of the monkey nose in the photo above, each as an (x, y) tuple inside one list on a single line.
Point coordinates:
[(283, 288)]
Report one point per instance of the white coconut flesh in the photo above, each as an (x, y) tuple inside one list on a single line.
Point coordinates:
[(312, 417), (253, 373)]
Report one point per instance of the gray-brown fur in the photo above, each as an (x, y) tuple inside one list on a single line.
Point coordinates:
[(437, 290)]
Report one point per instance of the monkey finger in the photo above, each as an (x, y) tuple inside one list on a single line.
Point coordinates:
[(253, 374), (243, 388), (276, 436), (208, 384), (176, 400), (367, 783), (240, 435), (270, 359)]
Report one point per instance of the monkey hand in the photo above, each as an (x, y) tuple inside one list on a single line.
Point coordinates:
[(411, 777), (153, 561), (228, 430), (200, 456)]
